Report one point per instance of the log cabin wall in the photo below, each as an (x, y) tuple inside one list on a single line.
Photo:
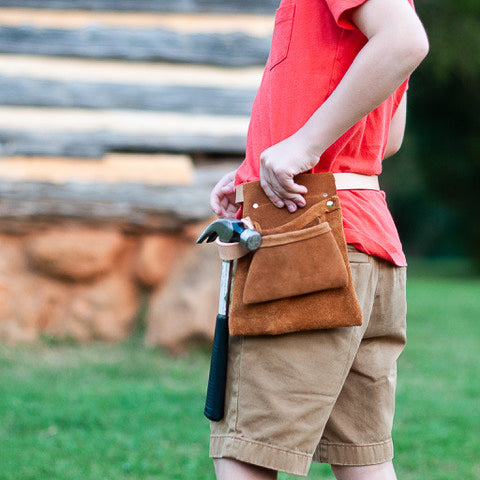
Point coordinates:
[(116, 119)]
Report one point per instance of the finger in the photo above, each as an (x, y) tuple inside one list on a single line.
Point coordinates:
[(215, 204), (230, 188), (288, 199), (223, 213), (289, 190), (228, 179), (218, 202), (224, 204), (231, 211), (269, 192), (224, 182), (291, 201), (289, 187), (271, 180), (291, 206), (284, 191), (299, 200)]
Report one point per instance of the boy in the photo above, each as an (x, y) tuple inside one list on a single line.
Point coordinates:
[(332, 98)]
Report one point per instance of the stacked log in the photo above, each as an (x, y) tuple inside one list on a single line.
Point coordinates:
[(116, 119), (102, 82)]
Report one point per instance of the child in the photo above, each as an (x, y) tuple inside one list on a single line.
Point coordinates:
[(332, 99)]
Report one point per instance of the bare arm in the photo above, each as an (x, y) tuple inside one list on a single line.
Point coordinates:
[(396, 45), (397, 129)]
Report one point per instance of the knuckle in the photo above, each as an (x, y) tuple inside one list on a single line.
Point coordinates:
[(267, 162), (264, 184)]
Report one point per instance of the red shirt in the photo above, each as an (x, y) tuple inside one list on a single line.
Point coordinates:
[(313, 45)]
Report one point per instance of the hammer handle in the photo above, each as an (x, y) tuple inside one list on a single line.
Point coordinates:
[(215, 401)]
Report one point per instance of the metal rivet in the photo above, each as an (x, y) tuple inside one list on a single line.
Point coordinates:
[(255, 205), (330, 204), (325, 194)]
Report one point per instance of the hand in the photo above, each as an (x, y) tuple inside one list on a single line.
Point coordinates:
[(222, 197), (278, 166)]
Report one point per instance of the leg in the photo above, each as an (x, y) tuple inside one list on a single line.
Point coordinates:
[(358, 431), (230, 469), (275, 420), (382, 471)]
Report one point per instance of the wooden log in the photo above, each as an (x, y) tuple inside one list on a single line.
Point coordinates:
[(95, 41), (105, 95), (229, 6), (113, 168), (96, 144), (92, 133), (69, 69), (253, 24), (131, 207)]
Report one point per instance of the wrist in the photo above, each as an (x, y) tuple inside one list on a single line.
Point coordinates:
[(311, 140)]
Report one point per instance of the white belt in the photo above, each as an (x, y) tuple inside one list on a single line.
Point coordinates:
[(343, 181), (356, 181)]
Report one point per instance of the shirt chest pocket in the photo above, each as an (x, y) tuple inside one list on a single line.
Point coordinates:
[(282, 34)]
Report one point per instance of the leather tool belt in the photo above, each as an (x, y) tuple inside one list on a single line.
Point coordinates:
[(300, 277)]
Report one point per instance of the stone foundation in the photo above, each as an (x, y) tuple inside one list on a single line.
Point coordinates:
[(83, 283)]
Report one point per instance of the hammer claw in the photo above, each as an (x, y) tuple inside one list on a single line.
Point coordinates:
[(206, 236), (219, 228), (229, 230)]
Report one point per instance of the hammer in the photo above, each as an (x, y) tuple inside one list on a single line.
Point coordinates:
[(227, 231)]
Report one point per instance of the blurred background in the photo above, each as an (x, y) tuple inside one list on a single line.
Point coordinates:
[(116, 119)]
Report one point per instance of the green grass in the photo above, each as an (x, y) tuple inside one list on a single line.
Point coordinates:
[(438, 414), (105, 412), (101, 412)]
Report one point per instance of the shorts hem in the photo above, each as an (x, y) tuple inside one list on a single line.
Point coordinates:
[(348, 454), (260, 454)]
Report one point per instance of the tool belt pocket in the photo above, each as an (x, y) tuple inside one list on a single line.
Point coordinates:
[(295, 263), (299, 279)]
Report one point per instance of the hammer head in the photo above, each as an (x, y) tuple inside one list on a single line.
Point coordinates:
[(229, 231)]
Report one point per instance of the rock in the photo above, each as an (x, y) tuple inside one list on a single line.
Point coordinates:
[(12, 258), (78, 254), (156, 257), (27, 303), (17, 324), (32, 304), (183, 312), (104, 310), (103, 301)]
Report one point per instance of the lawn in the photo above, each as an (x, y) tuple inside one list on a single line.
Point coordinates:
[(118, 412)]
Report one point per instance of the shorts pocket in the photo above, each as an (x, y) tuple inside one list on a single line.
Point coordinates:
[(282, 34), (357, 256)]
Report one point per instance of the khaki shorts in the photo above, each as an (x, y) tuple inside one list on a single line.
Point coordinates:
[(323, 395)]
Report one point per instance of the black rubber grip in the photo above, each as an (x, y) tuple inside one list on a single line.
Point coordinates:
[(217, 379)]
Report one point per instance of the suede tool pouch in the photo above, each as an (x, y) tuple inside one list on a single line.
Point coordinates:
[(295, 263), (265, 300)]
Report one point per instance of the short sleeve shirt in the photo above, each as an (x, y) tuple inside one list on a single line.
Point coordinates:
[(314, 43)]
